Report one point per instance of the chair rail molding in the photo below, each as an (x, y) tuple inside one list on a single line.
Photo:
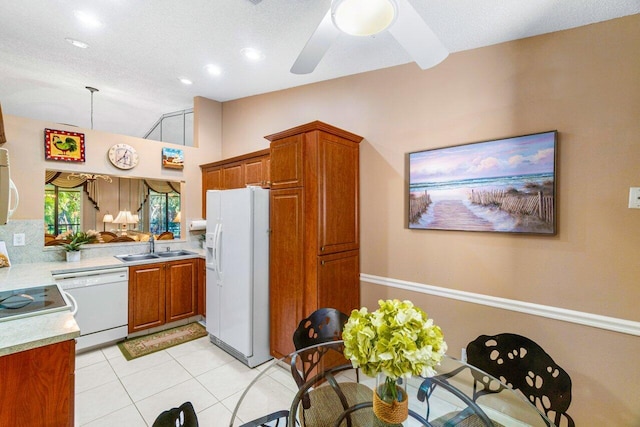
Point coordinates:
[(573, 316)]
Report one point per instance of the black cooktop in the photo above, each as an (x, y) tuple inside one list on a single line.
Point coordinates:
[(31, 301)]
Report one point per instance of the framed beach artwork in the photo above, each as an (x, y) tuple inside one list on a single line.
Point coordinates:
[(63, 145), (172, 158), (503, 185)]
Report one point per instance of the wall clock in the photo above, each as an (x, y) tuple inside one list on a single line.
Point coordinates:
[(123, 156)]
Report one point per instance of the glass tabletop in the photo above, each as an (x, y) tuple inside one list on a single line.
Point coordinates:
[(273, 398)]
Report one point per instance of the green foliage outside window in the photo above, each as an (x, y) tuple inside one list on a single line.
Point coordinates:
[(65, 215)]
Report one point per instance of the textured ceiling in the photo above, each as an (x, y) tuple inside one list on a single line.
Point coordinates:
[(136, 57)]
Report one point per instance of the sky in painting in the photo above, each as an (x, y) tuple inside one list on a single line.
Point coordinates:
[(523, 155)]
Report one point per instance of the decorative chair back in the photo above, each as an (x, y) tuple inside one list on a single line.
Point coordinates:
[(323, 325), (523, 365), (182, 416)]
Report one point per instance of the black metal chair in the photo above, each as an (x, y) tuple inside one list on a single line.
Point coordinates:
[(182, 416), (320, 402), (522, 364)]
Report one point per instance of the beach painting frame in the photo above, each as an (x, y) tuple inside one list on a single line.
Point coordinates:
[(504, 185), (172, 158)]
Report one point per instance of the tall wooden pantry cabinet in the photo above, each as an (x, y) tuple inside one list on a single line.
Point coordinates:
[(314, 221)]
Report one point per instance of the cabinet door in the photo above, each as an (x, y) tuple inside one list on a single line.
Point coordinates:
[(339, 281), (338, 217), (286, 167), (146, 296), (37, 386), (181, 289), (211, 180), (202, 287), (254, 172), (233, 176), (285, 268)]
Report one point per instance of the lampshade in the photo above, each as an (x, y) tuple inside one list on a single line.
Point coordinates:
[(177, 218), (124, 217), (363, 17), (136, 218), (107, 218)]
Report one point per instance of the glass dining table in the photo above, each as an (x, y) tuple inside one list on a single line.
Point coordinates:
[(447, 399)]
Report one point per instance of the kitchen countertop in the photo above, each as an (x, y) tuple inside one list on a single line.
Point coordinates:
[(40, 330)]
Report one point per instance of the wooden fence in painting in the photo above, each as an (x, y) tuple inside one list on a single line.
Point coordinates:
[(535, 204), (418, 205)]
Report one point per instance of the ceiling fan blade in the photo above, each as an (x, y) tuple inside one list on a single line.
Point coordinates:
[(415, 36), (316, 46)]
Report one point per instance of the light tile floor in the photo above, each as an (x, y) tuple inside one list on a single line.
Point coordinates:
[(111, 391)]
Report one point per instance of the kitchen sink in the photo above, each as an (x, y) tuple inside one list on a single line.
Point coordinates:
[(155, 255), (166, 254), (137, 257)]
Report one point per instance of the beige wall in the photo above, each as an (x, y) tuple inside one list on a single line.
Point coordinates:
[(584, 83)]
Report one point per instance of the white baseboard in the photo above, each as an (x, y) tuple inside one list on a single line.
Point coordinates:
[(589, 319)]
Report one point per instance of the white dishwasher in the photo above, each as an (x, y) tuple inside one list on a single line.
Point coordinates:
[(102, 297)]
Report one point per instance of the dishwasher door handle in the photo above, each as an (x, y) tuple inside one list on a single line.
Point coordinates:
[(72, 301)]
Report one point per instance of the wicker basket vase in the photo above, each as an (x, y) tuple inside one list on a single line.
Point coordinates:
[(388, 406)]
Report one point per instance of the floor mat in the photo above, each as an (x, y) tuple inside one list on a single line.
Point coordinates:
[(141, 346)]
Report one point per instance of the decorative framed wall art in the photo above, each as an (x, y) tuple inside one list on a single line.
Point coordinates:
[(172, 158), (502, 185), (63, 145)]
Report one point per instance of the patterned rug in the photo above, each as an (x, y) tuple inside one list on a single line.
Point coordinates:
[(141, 346)]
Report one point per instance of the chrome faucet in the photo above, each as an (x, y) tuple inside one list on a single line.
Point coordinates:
[(152, 245)]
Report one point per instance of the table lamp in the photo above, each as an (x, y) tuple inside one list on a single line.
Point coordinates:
[(107, 218), (124, 218)]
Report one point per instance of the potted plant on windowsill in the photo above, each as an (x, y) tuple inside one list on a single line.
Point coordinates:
[(396, 341), (76, 240)]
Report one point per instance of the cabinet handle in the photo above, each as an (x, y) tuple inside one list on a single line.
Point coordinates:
[(322, 248), (322, 262)]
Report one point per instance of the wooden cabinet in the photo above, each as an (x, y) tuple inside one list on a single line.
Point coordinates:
[(237, 172), (37, 387), (314, 221), (162, 292), (202, 287)]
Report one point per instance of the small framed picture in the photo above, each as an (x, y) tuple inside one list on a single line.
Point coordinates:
[(63, 145), (172, 158)]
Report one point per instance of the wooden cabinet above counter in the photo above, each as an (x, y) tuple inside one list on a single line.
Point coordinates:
[(236, 172)]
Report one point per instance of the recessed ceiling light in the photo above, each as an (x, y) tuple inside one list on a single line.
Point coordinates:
[(77, 43), (185, 81), (213, 69), (87, 19), (252, 54)]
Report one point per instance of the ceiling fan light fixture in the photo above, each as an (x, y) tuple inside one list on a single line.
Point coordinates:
[(363, 17)]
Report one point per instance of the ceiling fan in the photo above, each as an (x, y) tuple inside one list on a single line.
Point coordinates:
[(369, 17)]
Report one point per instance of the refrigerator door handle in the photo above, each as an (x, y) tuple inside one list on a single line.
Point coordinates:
[(218, 250), (214, 247)]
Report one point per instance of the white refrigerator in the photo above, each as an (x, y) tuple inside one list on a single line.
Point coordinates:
[(237, 271)]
